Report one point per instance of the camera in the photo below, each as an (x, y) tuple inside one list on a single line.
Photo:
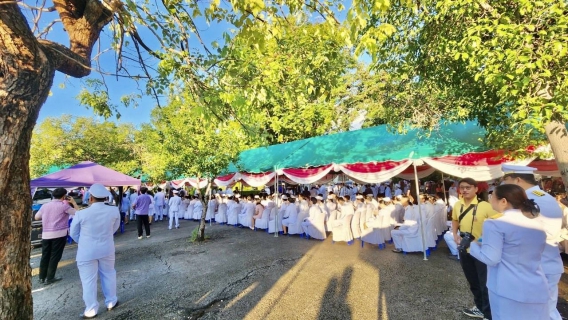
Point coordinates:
[(466, 240)]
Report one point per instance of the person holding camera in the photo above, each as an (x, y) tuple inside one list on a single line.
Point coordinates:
[(512, 248), (468, 216), (55, 224), (551, 217)]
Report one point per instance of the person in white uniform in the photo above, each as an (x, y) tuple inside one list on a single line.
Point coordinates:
[(551, 217), (159, 204), (133, 197), (175, 205), (512, 248), (93, 229)]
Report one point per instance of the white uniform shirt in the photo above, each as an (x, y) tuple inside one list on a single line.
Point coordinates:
[(175, 203), (551, 217), (93, 229), (160, 199)]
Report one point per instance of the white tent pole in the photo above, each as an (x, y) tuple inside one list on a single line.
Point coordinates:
[(444, 189), (276, 203), (419, 210)]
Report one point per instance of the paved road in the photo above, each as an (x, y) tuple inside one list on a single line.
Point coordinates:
[(243, 274)]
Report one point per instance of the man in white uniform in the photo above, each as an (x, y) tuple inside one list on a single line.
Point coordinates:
[(175, 205), (93, 230), (551, 217), (159, 204)]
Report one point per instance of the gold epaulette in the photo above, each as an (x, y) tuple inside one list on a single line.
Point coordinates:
[(538, 193)]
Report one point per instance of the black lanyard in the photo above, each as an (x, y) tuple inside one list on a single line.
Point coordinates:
[(462, 214)]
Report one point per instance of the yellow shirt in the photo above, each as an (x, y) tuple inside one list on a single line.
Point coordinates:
[(484, 211)]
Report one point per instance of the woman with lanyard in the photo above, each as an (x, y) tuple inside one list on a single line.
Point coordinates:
[(512, 247)]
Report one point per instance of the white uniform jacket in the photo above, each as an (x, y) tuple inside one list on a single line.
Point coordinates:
[(512, 248), (93, 229), (551, 217)]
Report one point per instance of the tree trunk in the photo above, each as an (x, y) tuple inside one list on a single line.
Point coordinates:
[(558, 137), (201, 235), (26, 75)]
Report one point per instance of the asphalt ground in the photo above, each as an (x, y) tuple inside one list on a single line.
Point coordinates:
[(244, 274)]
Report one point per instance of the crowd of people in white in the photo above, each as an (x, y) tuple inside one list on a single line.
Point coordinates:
[(374, 214)]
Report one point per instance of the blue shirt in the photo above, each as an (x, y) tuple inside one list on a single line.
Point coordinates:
[(143, 204)]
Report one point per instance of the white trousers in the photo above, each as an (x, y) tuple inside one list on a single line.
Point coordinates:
[(305, 226), (88, 272), (159, 212), (553, 280), (452, 245), (132, 215), (174, 215)]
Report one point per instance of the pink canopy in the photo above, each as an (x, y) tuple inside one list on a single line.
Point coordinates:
[(84, 174)]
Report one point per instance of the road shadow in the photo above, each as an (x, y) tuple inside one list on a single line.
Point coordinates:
[(334, 302)]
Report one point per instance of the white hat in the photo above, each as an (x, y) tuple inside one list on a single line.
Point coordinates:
[(284, 197), (319, 198), (509, 168), (399, 197), (359, 196), (256, 196), (386, 199), (175, 192), (331, 196), (223, 195), (237, 196), (292, 197), (99, 191)]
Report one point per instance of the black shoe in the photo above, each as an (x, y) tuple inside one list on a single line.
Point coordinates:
[(397, 251), (452, 257), (113, 307), (42, 281), (85, 317), (473, 312), (50, 281)]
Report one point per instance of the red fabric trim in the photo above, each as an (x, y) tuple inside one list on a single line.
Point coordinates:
[(306, 173), (254, 175), (410, 170), (544, 165), (487, 158), (226, 177), (373, 166)]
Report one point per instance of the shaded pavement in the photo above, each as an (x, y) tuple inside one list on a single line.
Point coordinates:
[(243, 274)]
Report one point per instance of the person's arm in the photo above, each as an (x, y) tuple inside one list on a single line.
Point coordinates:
[(38, 214), (74, 207), (455, 225), (491, 250), (116, 223), (75, 229)]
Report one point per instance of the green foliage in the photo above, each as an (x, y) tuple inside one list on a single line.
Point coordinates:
[(181, 142), (501, 63), (67, 140)]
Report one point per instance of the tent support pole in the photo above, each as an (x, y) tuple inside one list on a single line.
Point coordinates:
[(419, 210), (444, 189), (277, 202)]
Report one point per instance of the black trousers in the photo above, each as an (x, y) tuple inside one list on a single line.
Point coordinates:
[(143, 220), (476, 274), (51, 252)]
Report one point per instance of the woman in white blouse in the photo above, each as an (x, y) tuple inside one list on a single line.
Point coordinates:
[(511, 247)]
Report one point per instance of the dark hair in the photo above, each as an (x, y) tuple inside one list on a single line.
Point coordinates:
[(314, 200), (528, 178), (143, 190), (58, 193), (469, 181), (517, 197), (347, 197), (159, 189)]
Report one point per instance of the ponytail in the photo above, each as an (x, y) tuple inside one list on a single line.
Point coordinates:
[(530, 207)]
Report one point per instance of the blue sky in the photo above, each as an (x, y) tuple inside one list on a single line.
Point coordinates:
[(65, 89)]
